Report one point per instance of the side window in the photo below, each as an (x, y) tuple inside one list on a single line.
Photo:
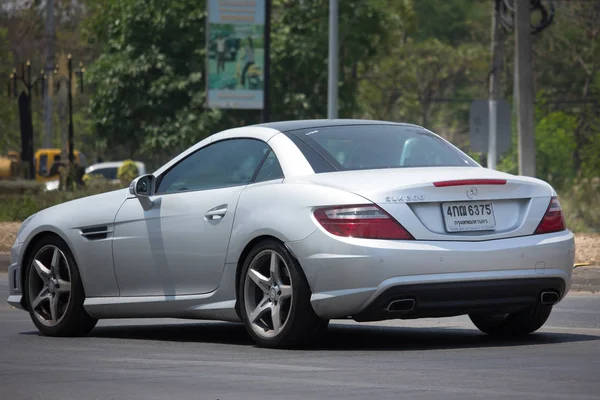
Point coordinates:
[(270, 169), (222, 164)]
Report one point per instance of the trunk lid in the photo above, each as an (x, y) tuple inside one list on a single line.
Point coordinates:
[(468, 203)]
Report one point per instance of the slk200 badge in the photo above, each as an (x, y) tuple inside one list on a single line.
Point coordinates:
[(397, 199)]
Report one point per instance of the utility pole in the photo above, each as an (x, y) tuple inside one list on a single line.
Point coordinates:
[(332, 92), (65, 77), (494, 89), (524, 82), (70, 102), (48, 68), (266, 112), (25, 111)]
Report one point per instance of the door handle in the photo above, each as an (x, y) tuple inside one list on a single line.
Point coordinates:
[(216, 213)]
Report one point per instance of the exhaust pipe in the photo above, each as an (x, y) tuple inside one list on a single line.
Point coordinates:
[(401, 305), (549, 298)]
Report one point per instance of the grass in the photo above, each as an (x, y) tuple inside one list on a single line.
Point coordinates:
[(581, 205), (28, 199)]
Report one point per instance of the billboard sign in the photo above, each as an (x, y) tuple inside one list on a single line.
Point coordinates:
[(235, 54)]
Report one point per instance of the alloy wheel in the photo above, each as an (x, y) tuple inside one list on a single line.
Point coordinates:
[(268, 294), (50, 285)]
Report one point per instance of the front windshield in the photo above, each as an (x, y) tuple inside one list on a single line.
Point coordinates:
[(380, 146)]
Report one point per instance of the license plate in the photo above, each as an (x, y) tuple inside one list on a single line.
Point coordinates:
[(469, 216)]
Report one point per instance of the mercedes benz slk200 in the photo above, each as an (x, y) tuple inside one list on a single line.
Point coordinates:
[(287, 225)]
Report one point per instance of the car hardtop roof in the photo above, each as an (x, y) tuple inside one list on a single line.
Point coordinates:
[(110, 164), (292, 125)]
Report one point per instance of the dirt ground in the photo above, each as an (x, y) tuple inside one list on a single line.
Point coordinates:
[(8, 232), (587, 248), (587, 244)]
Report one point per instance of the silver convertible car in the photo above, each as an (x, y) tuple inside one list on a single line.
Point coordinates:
[(287, 225)]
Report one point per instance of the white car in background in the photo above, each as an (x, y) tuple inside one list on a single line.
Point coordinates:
[(109, 170)]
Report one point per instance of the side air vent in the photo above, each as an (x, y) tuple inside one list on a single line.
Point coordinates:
[(95, 233)]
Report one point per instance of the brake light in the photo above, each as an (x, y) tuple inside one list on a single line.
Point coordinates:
[(465, 182), (361, 221), (553, 220)]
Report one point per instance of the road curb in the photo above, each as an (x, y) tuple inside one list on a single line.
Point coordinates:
[(586, 279)]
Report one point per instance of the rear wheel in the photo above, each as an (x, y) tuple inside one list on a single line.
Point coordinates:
[(514, 324), (275, 299), (54, 293)]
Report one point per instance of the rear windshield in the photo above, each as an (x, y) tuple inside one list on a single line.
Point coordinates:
[(346, 148)]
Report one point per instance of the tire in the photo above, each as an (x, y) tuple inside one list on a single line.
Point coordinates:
[(53, 283), (286, 291), (519, 323)]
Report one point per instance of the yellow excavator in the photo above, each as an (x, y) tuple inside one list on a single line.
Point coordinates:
[(45, 162)]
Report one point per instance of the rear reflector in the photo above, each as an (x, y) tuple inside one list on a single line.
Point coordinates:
[(361, 221), (466, 182), (553, 220)]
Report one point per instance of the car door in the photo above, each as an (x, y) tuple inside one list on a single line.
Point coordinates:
[(178, 246)]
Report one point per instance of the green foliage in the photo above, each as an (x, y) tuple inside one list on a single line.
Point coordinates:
[(299, 49), (150, 77), (449, 21), (127, 172), (94, 180), (441, 52), (554, 149), (424, 70), (591, 155), (8, 106)]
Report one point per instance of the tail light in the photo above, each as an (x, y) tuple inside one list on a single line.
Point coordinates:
[(361, 221), (553, 220), (465, 182)]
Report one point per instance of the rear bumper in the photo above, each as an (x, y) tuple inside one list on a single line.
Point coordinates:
[(351, 277), (433, 300)]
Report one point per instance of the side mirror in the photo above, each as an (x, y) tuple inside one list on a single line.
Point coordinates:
[(142, 186)]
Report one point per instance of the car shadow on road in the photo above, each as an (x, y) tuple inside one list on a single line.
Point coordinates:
[(360, 337), (339, 336)]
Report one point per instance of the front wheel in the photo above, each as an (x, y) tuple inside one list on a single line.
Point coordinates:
[(54, 292), (275, 299), (513, 324)]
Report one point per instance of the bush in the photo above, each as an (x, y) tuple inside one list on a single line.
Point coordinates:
[(127, 172), (94, 180)]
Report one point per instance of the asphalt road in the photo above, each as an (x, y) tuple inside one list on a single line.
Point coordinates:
[(423, 359)]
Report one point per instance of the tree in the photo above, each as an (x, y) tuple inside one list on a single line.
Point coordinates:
[(439, 55), (150, 78), (568, 65), (366, 31), (9, 117)]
